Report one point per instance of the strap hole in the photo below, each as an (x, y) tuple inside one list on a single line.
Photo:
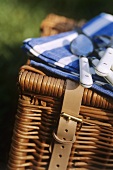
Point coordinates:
[(60, 155), (58, 165), (66, 130), (62, 146)]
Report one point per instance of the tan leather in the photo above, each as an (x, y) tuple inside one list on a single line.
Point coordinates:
[(65, 134), (72, 98)]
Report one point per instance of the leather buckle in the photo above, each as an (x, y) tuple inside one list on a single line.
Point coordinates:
[(75, 119), (68, 117)]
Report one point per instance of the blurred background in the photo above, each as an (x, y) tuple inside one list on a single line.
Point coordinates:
[(21, 19)]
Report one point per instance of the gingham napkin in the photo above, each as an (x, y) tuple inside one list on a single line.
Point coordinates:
[(53, 52)]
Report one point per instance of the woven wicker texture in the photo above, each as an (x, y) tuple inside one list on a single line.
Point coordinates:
[(54, 24), (39, 105)]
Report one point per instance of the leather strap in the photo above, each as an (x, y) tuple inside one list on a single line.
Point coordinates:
[(65, 135)]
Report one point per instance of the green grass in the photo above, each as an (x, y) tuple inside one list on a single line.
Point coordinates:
[(17, 22), (20, 19)]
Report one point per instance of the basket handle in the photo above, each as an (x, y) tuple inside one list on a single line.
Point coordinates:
[(29, 68)]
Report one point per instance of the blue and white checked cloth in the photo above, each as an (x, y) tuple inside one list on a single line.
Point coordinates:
[(53, 52)]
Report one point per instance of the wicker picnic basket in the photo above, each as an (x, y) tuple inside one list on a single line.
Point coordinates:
[(41, 95)]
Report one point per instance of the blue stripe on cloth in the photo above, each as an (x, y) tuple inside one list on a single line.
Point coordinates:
[(105, 88), (46, 39), (97, 24), (56, 71), (109, 31), (55, 56), (61, 57)]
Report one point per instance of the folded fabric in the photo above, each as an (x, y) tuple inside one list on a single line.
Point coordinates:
[(53, 52)]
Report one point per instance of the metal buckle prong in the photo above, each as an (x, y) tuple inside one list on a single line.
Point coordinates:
[(68, 117)]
